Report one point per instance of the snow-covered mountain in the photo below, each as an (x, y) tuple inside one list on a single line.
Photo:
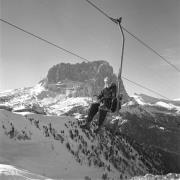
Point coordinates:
[(168, 105), (39, 130)]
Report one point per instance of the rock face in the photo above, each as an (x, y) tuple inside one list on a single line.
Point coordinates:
[(81, 79)]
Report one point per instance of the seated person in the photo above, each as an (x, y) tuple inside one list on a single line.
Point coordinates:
[(107, 102)]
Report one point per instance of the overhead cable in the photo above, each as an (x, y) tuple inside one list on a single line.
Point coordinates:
[(42, 39), (137, 84), (135, 37), (151, 49)]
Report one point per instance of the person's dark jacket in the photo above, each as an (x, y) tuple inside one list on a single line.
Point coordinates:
[(108, 98)]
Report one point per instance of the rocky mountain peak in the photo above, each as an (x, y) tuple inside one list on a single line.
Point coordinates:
[(81, 79)]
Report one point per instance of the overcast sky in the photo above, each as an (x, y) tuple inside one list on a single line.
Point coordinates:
[(78, 27)]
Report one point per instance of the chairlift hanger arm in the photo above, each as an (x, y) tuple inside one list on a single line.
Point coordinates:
[(121, 65)]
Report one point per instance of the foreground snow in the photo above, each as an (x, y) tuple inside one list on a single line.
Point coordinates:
[(9, 172), (31, 148), (170, 176)]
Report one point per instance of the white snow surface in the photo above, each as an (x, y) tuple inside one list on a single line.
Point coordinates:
[(37, 89), (7, 92), (159, 103), (168, 106), (139, 100), (67, 104), (8, 170)]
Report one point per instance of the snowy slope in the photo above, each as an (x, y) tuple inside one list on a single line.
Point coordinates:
[(34, 151), (56, 147)]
